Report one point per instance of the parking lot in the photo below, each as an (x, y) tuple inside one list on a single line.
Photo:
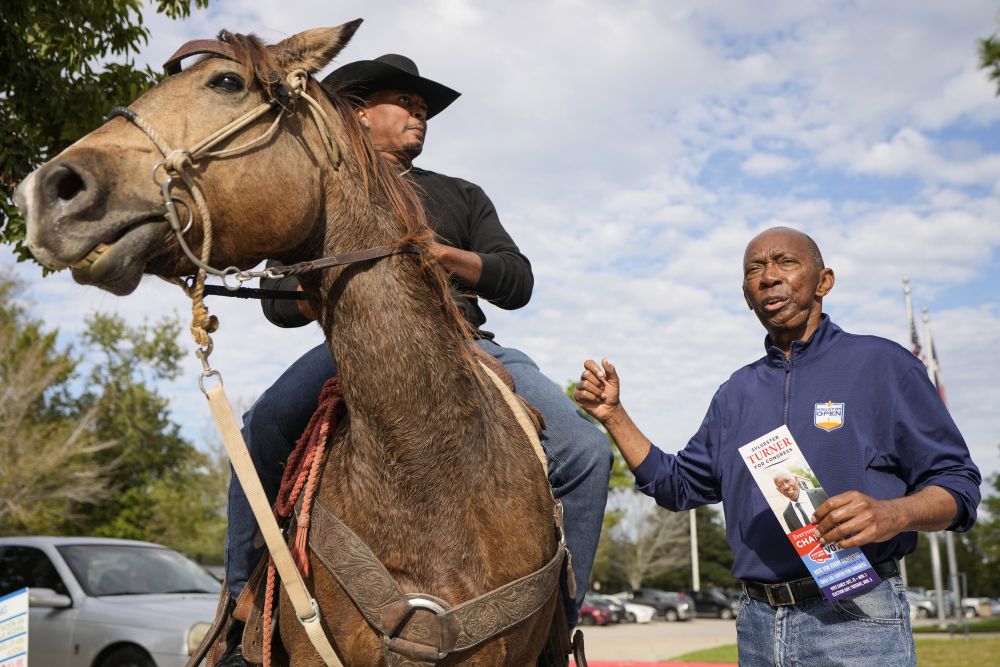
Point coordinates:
[(658, 640)]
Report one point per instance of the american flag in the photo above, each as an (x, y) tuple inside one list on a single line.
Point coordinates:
[(933, 369), (914, 338)]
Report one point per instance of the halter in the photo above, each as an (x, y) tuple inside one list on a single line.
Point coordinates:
[(178, 163)]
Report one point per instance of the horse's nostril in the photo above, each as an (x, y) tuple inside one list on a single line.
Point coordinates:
[(61, 181), (68, 184)]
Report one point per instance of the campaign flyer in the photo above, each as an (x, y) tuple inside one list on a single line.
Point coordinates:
[(14, 629), (793, 492)]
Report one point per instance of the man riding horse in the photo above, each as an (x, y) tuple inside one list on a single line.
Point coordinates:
[(394, 104)]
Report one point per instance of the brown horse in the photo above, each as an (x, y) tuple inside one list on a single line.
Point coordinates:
[(430, 467)]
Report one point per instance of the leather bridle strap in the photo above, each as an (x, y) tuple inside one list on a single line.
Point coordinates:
[(197, 47), (389, 610), (306, 609), (341, 260)]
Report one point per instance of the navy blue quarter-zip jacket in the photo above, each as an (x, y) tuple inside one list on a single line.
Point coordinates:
[(895, 437)]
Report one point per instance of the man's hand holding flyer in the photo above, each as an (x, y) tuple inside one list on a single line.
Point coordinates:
[(794, 493)]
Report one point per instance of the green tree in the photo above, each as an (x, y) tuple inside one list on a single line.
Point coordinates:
[(163, 489), (91, 448), (977, 552), (989, 57), (48, 472), (63, 65), (988, 532)]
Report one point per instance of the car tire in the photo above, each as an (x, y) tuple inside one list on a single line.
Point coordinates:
[(923, 613), (671, 615), (587, 620), (630, 617), (127, 656), (726, 613)]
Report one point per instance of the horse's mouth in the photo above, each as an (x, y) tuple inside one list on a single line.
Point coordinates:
[(117, 260)]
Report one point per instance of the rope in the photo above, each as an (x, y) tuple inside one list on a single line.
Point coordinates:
[(268, 611), (302, 473)]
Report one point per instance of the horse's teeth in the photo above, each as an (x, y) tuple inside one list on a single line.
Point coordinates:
[(91, 257)]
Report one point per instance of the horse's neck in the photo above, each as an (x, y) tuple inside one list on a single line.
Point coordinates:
[(413, 403)]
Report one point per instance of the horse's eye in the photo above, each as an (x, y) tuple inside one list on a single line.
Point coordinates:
[(227, 82)]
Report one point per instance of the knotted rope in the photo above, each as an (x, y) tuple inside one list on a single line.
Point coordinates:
[(301, 474)]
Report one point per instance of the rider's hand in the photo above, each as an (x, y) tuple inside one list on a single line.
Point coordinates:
[(598, 390)]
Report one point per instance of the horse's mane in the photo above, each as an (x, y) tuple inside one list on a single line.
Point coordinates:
[(400, 196)]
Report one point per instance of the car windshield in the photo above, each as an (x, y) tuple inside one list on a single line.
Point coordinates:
[(123, 569)]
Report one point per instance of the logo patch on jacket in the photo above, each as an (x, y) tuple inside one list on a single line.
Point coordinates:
[(829, 416)]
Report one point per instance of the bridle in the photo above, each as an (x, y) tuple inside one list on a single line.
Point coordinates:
[(178, 164)]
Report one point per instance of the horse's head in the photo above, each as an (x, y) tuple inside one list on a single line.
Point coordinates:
[(99, 207)]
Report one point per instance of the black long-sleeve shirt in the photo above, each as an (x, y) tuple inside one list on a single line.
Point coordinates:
[(465, 218)]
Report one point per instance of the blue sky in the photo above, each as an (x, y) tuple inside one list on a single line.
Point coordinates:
[(633, 148)]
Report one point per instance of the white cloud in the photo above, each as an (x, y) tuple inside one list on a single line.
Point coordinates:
[(616, 140), (764, 164)]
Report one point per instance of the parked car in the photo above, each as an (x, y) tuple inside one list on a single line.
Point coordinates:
[(594, 612), (97, 602), (921, 606), (973, 607), (615, 607), (714, 603), (635, 612), (671, 606)]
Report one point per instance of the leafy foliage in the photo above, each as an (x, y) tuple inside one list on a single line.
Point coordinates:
[(58, 79), (715, 559), (90, 448), (989, 57), (47, 470), (648, 540), (977, 552)]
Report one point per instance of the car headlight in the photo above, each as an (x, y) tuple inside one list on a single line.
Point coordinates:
[(195, 634)]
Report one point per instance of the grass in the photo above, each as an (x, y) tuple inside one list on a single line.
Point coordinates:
[(720, 654), (957, 652), (982, 625)]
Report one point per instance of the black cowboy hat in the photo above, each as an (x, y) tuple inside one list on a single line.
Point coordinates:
[(388, 72)]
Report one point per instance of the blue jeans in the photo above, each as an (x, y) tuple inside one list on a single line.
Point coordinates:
[(869, 629), (579, 456)]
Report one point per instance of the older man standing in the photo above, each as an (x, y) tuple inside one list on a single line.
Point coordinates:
[(395, 103), (896, 465)]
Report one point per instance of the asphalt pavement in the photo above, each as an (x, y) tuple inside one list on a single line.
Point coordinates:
[(656, 641)]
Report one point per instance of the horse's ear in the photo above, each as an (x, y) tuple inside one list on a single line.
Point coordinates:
[(313, 49)]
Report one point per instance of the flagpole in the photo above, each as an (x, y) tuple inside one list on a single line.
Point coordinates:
[(949, 539), (932, 538), (695, 575), (911, 323)]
